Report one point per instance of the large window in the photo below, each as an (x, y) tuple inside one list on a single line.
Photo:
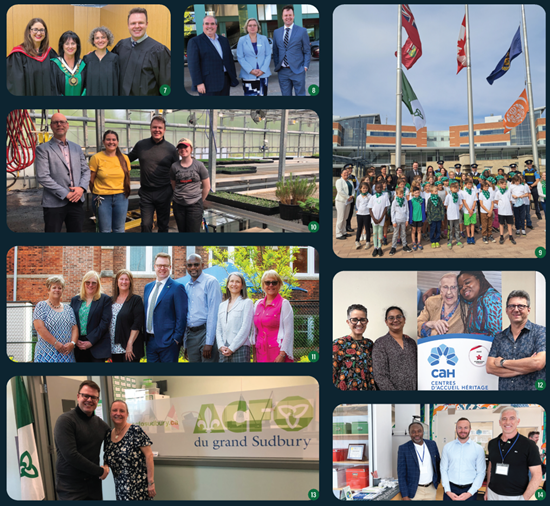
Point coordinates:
[(307, 263), (139, 259)]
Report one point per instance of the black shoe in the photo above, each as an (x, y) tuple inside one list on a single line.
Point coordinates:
[(501, 240), (407, 249), (380, 252), (375, 252), (346, 235), (512, 240), (349, 229), (385, 241), (392, 252), (530, 227), (539, 216), (342, 237), (485, 240)]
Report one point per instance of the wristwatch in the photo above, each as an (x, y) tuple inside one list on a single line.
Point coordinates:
[(502, 362)]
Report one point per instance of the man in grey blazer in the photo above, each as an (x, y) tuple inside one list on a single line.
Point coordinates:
[(62, 170)]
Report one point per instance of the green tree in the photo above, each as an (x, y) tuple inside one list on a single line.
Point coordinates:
[(253, 261)]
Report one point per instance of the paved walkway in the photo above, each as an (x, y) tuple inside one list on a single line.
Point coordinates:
[(525, 247)]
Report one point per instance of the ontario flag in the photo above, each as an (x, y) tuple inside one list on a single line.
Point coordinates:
[(461, 47), (517, 113), (412, 50)]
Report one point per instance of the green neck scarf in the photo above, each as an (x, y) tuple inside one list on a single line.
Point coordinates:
[(502, 190), (486, 194), (469, 190), (543, 184), (455, 197), (418, 199), (434, 199), (364, 194), (378, 195), (400, 201)]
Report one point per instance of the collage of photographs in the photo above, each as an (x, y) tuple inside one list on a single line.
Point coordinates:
[(438, 160)]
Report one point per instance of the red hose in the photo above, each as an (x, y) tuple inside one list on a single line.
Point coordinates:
[(20, 140)]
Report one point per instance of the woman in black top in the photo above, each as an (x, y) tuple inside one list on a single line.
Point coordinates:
[(103, 69), (93, 314), (127, 321)]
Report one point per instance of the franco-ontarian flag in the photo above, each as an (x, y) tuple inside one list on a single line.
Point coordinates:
[(412, 103), (32, 488)]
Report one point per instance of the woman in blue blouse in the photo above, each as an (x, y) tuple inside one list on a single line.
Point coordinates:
[(254, 55)]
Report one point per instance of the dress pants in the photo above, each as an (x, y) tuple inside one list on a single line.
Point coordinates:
[(289, 80), (458, 491), (165, 354), (425, 494), (224, 92), (342, 211), (196, 339), (83, 489), (188, 218), (72, 214), (151, 200)]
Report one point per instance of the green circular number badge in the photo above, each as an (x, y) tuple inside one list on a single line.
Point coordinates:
[(313, 90), (313, 356), (314, 494), (165, 90), (313, 226), (541, 384), (540, 252), (540, 495)]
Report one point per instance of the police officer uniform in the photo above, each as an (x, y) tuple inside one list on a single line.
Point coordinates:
[(532, 178)]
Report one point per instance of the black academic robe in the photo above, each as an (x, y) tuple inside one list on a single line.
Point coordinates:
[(60, 86), (29, 75), (102, 75), (143, 68)]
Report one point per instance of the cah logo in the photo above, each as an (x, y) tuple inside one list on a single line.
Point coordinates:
[(442, 353), (478, 355)]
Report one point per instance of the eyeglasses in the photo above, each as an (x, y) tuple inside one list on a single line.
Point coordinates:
[(90, 282), (358, 320), (89, 397), (271, 283), (162, 266), (53, 123), (397, 318), (519, 307), (196, 264), (38, 30)]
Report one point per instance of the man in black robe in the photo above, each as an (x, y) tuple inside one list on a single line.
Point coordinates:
[(144, 62)]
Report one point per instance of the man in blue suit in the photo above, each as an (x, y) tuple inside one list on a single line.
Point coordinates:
[(418, 466), (291, 55), (165, 303), (210, 61)]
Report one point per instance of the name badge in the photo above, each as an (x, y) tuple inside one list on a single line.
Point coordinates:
[(502, 469)]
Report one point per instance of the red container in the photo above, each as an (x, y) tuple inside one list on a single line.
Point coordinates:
[(357, 477), (338, 455)]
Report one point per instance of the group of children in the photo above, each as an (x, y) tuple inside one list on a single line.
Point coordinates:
[(443, 207)]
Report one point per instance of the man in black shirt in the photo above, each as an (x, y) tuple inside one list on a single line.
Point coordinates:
[(78, 436), (155, 156), (511, 458)]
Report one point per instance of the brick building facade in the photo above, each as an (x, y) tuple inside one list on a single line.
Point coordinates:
[(36, 263)]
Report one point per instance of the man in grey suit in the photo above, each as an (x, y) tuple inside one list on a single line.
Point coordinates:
[(62, 170)]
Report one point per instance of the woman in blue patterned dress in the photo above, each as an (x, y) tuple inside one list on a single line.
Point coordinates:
[(55, 325), (480, 303), (128, 454)]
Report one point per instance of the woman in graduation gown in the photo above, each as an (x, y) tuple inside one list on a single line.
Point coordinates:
[(68, 70), (102, 66), (28, 65)]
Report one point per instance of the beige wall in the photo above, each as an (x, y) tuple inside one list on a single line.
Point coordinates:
[(518, 280), (82, 20)]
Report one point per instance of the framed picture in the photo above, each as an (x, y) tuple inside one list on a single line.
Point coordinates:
[(356, 452)]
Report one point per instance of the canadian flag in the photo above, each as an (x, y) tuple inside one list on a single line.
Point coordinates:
[(517, 113), (461, 47)]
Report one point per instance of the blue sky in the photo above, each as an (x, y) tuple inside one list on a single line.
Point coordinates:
[(364, 65)]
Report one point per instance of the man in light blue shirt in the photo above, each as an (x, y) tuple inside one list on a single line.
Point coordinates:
[(204, 298), (462, 465)]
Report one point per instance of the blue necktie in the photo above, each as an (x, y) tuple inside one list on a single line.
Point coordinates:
[(285, 41)]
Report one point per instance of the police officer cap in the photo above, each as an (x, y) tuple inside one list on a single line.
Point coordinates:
[(348, 166), (514, 165), (440, 162), (458, 165), (474, 166), (528, 162)]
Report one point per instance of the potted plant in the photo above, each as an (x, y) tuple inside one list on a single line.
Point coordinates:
[(310, 210), (292, 191)]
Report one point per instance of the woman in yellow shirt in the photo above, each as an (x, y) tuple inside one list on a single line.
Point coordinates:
[(110, 185)]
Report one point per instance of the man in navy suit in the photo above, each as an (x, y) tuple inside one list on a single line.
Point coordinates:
[(291, 55), (210, 61), (165, 303), (418, 466)]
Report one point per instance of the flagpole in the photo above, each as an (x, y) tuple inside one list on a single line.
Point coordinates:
[(530, 93), (470, 100), (399, 94)]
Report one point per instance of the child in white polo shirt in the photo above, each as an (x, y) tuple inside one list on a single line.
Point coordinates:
[(503, 199), (469, 199), (453, 203), (486, 207), (399, 219), (363, 215), (378, 205)]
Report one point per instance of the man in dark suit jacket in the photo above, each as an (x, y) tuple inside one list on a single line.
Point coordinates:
[(165, 302), (62, 170), (418, 466), (411, 174), (291, 54), (210, 61)]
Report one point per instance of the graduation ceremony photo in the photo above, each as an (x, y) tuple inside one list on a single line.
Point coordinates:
[(455, 167), (88, 50)]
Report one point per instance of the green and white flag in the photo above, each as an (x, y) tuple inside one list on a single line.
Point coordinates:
[(32, 488), (412, 103)]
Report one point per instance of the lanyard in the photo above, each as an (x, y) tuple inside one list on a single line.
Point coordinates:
[(423, 452), (500, 448)]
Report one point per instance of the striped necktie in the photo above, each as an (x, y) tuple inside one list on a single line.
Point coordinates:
[(151, 308), (134, 43), (285, 40)]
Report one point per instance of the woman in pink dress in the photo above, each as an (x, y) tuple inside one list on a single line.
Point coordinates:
[(273, 338)]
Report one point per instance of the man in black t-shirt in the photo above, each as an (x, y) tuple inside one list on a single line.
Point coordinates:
[(155, 156), (511, 458)]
